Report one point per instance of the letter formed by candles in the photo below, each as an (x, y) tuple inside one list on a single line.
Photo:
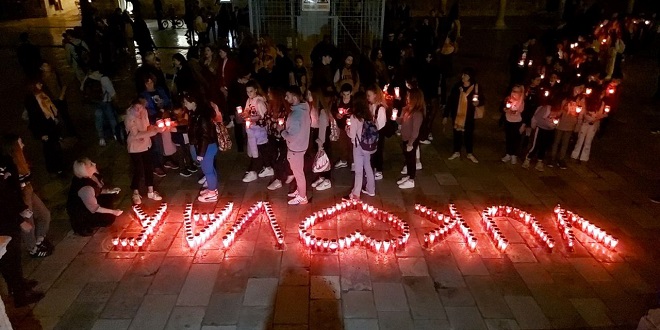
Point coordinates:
[(149, 224), (208, 224), (325, 244), (243, 221), (495, 234), (567, 220), (447, 224)]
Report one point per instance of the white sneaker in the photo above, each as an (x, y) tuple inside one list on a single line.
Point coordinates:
[(102, 142), (276, 184), (404, 171), (205, 184), (425, 141), (454, 156), (408, 184), (525, 164), (298, 200), (378, 175), (202, 180), (472, 158), (326, 184), (208, 196), (250, 176), (293, 194), (364, 191), (506, 158), (137, 199), (317, 182), (430, 137), (266, 171), (514, 160), (352, 167), (289, 179), (539, 166), (418, 165), (403, 179), (154, 195), (230, 125), (341, 164)]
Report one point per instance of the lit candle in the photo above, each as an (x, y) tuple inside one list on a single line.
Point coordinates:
[(508, 105), (578, 109), (396, 92), (547, 93), (239, 109), (248, 123), (160, 123), (395, 112), (475, 98), (542, 76), (168, 122), (610, 90), (607, 109), (588, 91)]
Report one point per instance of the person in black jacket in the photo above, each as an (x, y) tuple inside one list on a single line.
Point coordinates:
[(14, 210), (463, 100), (184, 78), (43, 123), (203, 136), (28, 56)]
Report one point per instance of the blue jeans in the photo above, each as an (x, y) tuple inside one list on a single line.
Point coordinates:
[(105, 110), (362, 160), (208, 166)]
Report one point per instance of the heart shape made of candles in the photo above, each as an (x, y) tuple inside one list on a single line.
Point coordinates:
[(325, 244), (567, 220), (529, 220), (448, 223)]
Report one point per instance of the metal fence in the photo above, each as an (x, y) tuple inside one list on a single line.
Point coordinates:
[(352, 24)]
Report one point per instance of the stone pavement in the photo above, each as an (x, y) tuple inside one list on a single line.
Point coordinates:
[(254, 285)]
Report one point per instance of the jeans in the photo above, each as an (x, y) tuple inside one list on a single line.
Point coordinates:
[(297, 162), (410, 157), (142, 167), (40, 220), (362, 160), (560, 145), (208, 166), (512, 134), (583, 144), (104, 111)]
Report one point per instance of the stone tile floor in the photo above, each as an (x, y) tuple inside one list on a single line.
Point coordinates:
[(254, 285)]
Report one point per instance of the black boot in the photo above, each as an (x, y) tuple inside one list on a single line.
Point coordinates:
[(27, 297)]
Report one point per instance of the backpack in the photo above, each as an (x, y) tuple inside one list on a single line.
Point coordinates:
[(369, 137), (93, 90), (82, 55), (224, 141)]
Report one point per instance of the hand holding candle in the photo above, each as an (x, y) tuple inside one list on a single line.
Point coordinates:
[(396, 92), (248, 123), (578, 109), (280, 121), (160, 123), (607, 109), (239, 109), (395, 113)]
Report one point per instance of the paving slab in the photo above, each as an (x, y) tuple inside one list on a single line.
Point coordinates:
[(423, 300), (465, 318), (260, 292), (185, 318), (358, 304), (528, 314), (223, 309), (489, 297), (154, 312), (325, 314), (198, 287), (394, 320), (325, 287), (593, 311), (292, 305), (390, 297), (361, 324)]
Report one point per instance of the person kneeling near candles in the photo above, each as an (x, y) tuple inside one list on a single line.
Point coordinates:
[(89, 204)]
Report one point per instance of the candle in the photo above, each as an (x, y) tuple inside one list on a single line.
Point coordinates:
[(168, 122), (610, 90), (578, 109), (607, 109), (588, 91), (530, 63), (387, 86), (341, 111), (579, 75), (547, 93), (160, 123), (280, 121), (542, 76), (647, 22), (248, 123), (239, 109), (604, 41), (508, 105), (396, 92), (395, 112)]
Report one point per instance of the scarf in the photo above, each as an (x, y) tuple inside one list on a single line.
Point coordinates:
[(46, 105), (461, 113)]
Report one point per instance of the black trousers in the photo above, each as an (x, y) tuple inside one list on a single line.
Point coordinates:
[(464, 137), (11, 268), (239, 134), (63, 112), (142, 167), (410, 157), (265, 158), (280, 164), (541, 142), (377, 157), (512, 137), (53, 153)]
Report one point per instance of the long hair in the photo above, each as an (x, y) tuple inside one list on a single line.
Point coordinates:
[(380, 98), (11, 149), (254, 84), (277, 105), (416, 102), (361, 107)]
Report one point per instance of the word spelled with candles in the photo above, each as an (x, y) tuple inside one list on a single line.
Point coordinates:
[(149, 227), (255, 211), (507, 211), (208, 222), (447, 224), (323, 244), (566, 220)]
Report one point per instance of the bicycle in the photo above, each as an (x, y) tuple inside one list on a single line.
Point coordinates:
[(174, 22)]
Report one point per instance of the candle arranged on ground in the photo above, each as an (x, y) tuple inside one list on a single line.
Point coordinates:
[(607, 109), (395, 113), (530, 63), (588, 91), (555, 121), (239, 109)]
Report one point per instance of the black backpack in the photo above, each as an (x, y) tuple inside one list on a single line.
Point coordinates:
[(93, 90)]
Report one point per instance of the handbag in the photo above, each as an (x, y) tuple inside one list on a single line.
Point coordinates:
[(479, 110), (334, 130), (224, 142), (321, 162)]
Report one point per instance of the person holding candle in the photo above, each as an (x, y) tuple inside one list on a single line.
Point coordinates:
[(34, 228), (533, 97), (572, 112), (461, 106), (342, 111), (362, 158), (139, 144), (296, 133), (89, 204), (319, 103), (204, 137), (43, 119), (347, 75), (514, 106), (544, 122), (277, 112), (157, 100), (255, 124), (378, 109), (595, 112), (411, 123)]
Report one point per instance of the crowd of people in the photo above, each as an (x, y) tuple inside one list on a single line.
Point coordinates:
[(298, 122)]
